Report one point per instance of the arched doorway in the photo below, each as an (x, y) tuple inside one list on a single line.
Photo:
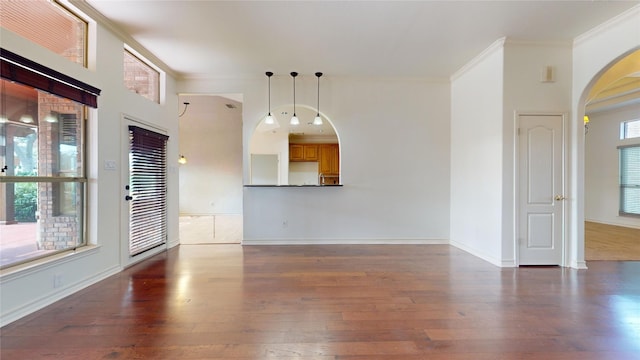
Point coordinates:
[(612, 112)]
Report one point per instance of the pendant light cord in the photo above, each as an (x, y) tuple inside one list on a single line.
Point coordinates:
[(318, 74), (294, 74)]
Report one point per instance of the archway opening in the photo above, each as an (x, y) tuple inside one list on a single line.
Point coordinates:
[(611, 107), (302, 155)]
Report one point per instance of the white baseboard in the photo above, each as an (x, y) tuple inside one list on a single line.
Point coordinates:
[(49, 298), (366, 241), (579, 265), (631, 226), (479, 254)]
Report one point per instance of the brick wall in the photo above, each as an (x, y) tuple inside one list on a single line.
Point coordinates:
[(57, 229)]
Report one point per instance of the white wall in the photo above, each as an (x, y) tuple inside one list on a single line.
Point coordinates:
[(486, 95), (29, 289), (211, 140), (476, 155), (394, 143), (602, 190), (524, 92), (593, 53), (272, 143)]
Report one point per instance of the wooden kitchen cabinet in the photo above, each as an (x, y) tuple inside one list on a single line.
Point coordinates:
[(303, 152), (311, 152), (296, 152), (329, 159)]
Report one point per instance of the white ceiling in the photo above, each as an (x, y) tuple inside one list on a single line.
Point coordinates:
[(427, 39)]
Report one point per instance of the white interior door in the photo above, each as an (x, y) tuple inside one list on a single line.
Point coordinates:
[(541, 189)]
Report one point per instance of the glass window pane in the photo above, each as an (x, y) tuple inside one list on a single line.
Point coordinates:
[(41, 135), (141, 78), (631, 129), (35, 230), (57, 29), (630, 180)]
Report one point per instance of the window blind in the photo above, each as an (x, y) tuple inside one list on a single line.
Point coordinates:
[(148, 189), (630, 180)]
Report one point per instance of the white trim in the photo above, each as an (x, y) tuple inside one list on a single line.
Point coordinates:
[(96, 16), (497, 45), (615, 21), (37, 266), (630, 226), (546, 44), (352, 241), (579, 265), (477, 253), (50, 298)]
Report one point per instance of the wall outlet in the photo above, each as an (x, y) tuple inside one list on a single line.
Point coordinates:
[(57, 281)]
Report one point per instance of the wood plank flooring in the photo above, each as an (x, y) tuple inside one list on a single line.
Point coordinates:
[(348, 302), (608, 242), (338, 302)]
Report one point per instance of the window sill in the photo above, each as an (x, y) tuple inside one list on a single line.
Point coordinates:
[(26, 269)]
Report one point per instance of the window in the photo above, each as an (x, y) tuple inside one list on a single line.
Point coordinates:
[(630, 180), (630, 129), (58, 29), (43, 178), (140, 77)]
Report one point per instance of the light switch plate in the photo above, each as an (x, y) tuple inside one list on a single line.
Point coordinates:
[(109, 164)]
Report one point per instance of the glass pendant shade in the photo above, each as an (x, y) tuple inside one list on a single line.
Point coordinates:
[(294, 120), (269, 120), (317, 120)]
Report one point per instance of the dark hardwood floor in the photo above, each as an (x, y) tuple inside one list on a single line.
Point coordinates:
[(338, 302)]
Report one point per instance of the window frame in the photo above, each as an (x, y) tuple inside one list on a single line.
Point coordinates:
[(71, 13), (149, 65), (79, 180), (624, 129)]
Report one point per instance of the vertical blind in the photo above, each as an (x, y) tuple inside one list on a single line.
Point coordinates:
[(630, 180), (148, 189)]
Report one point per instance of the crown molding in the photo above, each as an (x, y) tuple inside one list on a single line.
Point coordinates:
[(546, 44), (95, 15), (497, 45), (633, 12)]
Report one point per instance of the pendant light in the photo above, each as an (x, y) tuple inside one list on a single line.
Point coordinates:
[(269, 119), (318, 120), (294, 119)]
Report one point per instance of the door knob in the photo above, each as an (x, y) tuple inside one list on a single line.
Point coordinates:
[(559, 197)]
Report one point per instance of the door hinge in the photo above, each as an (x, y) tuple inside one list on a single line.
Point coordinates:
[(518, 131)]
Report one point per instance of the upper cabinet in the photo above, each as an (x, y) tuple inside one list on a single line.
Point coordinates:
[(303, 152)]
